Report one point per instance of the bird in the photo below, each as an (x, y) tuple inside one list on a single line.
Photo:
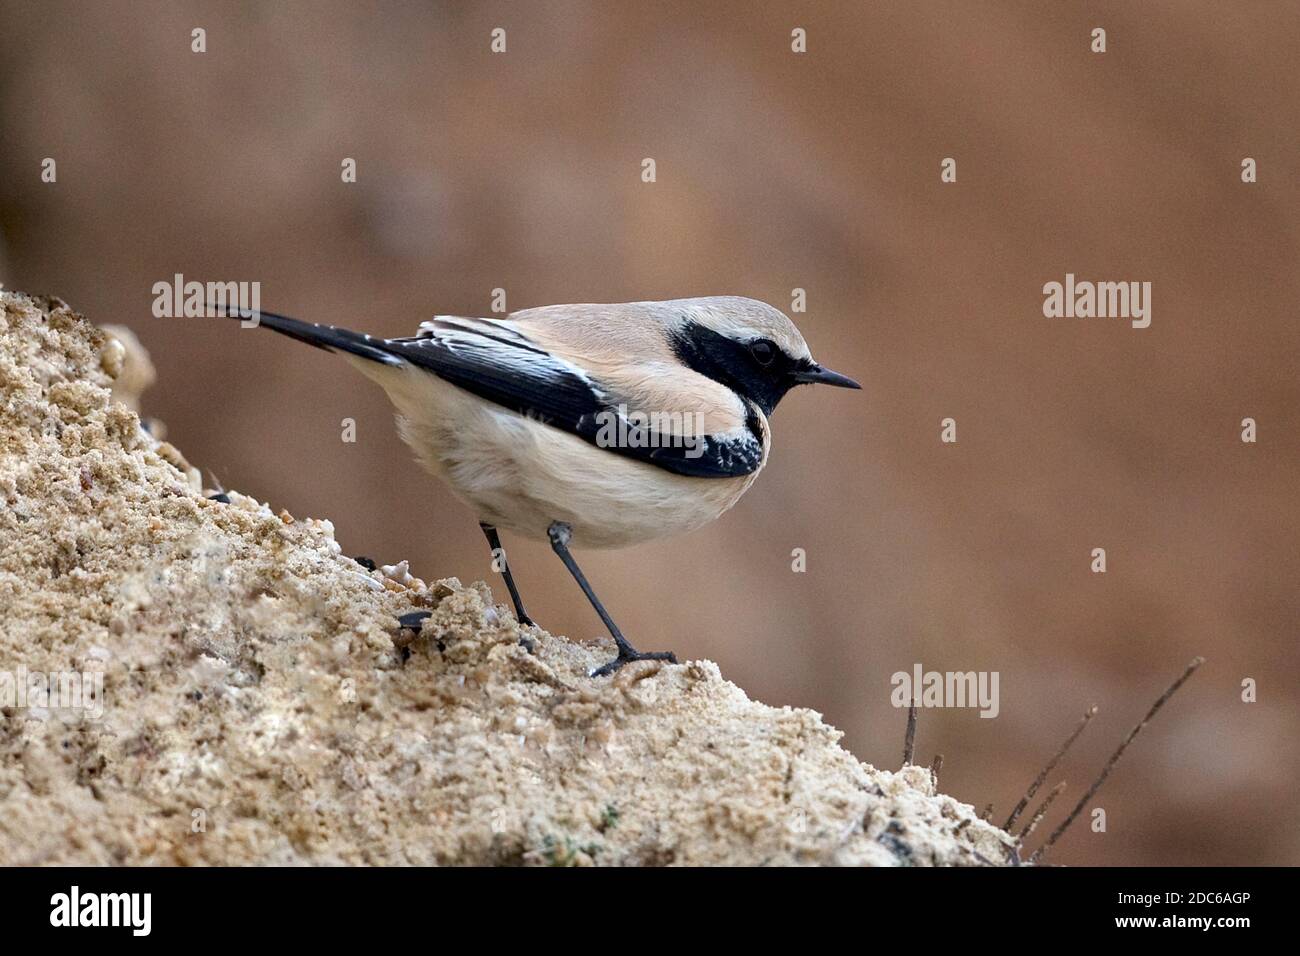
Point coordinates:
[(586, 425)]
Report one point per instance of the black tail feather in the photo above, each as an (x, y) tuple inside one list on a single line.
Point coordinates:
[(328, 337)]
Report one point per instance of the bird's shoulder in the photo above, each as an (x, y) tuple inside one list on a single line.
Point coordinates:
[(628, 349), (578, 368)]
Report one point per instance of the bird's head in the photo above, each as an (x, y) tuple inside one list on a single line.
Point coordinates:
[(748, 346)]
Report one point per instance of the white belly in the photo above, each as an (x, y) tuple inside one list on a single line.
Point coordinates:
[(521, 475)]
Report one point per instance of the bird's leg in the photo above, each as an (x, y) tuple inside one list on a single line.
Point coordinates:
[(498, 553), (560, 533)]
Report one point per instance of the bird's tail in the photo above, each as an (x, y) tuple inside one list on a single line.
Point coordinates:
[(328, 337)]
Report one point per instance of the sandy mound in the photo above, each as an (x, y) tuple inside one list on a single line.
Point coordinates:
[(260, 703)]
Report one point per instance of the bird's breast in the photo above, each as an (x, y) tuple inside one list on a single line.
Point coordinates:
[(521, 474)]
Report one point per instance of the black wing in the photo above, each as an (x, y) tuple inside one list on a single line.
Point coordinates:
[(499, 363)]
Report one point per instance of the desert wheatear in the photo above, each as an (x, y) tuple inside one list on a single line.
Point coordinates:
[(588, 425)]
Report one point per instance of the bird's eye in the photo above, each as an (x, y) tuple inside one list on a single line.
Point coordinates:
[(763, 351)]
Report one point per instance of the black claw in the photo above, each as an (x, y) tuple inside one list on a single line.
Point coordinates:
[(628, 657), (367, 563)]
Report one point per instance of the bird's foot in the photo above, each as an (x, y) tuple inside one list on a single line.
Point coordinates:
[(524, 621), (628, 654)]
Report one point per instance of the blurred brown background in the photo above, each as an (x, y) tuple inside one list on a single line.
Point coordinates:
[(775, 171)]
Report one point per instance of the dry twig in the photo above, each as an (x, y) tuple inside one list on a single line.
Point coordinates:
[(1114, 759), (1038, 781), (909, 739), (1039, 814), (935, 766)]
